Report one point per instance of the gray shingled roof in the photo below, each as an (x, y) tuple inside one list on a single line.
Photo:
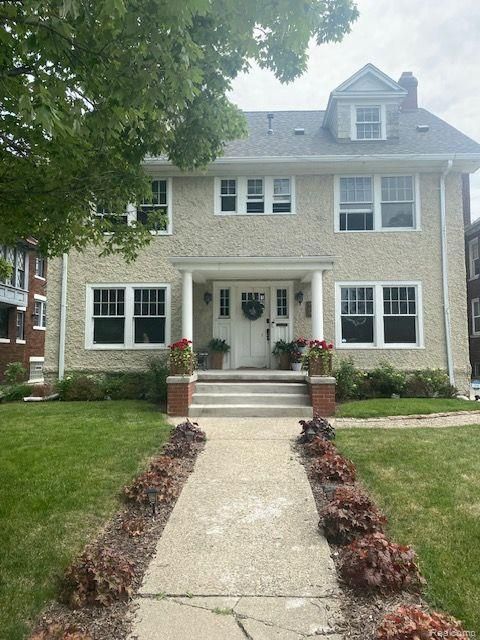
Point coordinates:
[(440, 139)]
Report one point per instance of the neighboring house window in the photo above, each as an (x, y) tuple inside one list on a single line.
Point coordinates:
[(476, 369), (103, 211), (356, 204), (4, 318), (376, 203), (36, 369), (40, 314), (127, 316), (149, 314), (20, 325), (224, 311), (228, 196), (40, 267), (476, 317), (254, 196), (155, 212), (368, 123), (357, 315), (17, 258), (380, 315), (474, 262), (282, 303), (108, 316)]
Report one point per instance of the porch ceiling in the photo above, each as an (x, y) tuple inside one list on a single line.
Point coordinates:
[(252, 267)]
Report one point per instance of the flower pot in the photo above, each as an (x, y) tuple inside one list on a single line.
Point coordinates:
[(296, 366), (216, 360), (284, 361), (180, 369), (302, 350), (321, 366)]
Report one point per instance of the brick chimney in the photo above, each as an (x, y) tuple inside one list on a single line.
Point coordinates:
[(410, 83)]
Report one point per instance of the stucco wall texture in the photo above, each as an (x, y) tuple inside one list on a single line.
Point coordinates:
[(366, 256)]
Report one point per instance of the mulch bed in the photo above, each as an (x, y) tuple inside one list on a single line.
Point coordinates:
[(362, 613), (114, 622)]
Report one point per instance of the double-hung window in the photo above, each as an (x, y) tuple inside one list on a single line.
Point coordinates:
[(40, 267), (39, 313), (473, 259), (128, 316), (17, 259), (262, 195), (154, 211), (379, 315), (255, 195), (356, 203), (106, 213), (376, 203), (368, 123), (20, 325), (476, 317)]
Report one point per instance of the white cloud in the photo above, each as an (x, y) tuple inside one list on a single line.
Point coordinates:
[(437, 40)]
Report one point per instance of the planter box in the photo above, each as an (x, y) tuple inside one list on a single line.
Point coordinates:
[(216, 360), (284, 361), (320, 366)]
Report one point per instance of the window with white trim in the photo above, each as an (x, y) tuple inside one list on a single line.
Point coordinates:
[(368, 123), (376, 203), (473, 259), (40, 314), (133, 316), (17, 258), (382, 315), (40, 266), (259, 195), (228, 195), (224, 300), (20, 325), (149, 316), (154, 212), (476, 317), (106, 213), (356, 203), (476, 369)]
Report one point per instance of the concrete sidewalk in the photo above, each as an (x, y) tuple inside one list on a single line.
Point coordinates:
[(241, 555)]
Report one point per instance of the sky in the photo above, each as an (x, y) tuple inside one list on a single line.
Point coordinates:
[(439, 40)]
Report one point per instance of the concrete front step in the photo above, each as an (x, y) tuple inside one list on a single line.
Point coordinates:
[(252, 387), (300, 399), (249, 410), (250, 375)]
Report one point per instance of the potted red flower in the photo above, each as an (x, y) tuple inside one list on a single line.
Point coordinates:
[(320, 358), (301, 344), (182, 358)]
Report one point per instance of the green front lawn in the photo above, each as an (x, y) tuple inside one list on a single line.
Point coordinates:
[(62, 466), (381, 407), (428, 483)]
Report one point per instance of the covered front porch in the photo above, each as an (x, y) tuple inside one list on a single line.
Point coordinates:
[(251, 302)]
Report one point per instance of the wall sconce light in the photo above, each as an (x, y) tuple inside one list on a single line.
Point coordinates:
[(207, 297), (299, 297)]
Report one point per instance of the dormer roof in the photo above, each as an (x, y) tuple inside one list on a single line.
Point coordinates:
[(369, 83)]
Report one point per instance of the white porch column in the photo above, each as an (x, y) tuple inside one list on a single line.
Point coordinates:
[(317, 305), (187, 305)]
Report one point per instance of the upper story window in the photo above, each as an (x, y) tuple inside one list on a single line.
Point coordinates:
[(40, 313), (17, 258), (40, 267), (368, 123), (4, 322), (473, 259), (20, 324), (475, 317), (377, 203), (254, 195), (156, 211)]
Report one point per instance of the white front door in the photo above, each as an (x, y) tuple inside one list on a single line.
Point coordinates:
[(253, 347)]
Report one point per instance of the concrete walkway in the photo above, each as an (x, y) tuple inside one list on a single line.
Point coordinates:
[(241, 555)]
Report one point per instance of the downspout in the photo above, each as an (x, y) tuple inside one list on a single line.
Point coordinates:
[(446, 297), (63, 317)]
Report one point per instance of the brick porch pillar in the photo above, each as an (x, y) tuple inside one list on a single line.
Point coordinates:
[(322, 395), (180, 391)]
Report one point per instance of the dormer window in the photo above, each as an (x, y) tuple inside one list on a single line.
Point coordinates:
[(368, 123)]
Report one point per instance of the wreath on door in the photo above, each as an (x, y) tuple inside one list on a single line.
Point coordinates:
[(253, 309)]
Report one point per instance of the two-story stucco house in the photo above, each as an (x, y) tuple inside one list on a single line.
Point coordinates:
[(344, 223)]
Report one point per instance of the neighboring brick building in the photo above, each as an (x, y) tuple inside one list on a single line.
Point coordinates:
[(472, 256), (23, 309)]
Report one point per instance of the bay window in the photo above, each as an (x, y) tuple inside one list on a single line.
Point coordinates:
[(379, 315), (128, 316)]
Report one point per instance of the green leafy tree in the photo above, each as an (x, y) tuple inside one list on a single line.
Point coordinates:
[(89, 88)]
